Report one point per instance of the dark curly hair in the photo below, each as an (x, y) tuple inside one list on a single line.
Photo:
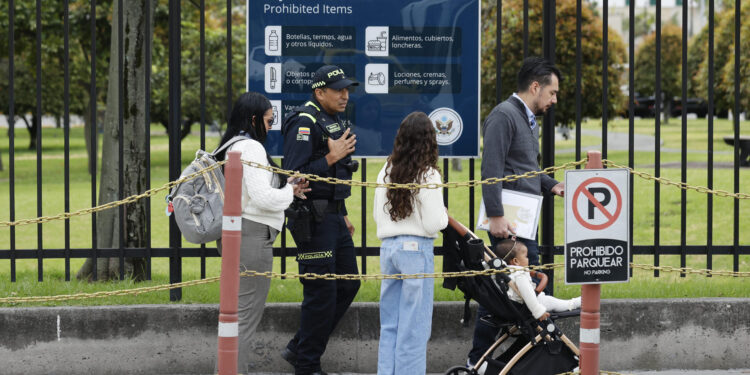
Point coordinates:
[(415, 151)]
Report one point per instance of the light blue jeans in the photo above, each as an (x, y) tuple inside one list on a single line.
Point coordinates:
[(405, 305)]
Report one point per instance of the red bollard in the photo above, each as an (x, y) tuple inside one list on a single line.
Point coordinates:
[(231, 238), (590, 306)]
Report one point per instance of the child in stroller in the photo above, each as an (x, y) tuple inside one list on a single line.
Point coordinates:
[(540, 347), (514, 253)]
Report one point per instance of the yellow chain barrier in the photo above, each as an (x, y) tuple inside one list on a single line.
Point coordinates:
[(270, 274), (412, 186), (330, 276), (106, 206), (686, 270), (332, 180), (681, 185), (311, 177)]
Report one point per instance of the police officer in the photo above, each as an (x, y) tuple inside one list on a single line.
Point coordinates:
[(316, 141)]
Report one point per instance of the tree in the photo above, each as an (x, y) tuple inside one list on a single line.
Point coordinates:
[(671, 63), (133, 137), (216, 67), (53, 59), (512, 54), (723, 60)]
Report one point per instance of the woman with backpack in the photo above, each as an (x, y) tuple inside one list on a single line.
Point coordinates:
[(265, 196), (408, 222)]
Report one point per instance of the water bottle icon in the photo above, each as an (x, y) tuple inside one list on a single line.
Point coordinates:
[(273, 41)]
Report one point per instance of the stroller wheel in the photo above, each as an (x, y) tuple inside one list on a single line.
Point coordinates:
[(458, 370)]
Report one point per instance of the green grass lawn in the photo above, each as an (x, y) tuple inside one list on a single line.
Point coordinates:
[(642, 285)]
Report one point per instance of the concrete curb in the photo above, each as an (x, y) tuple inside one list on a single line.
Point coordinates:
[(711, 333)]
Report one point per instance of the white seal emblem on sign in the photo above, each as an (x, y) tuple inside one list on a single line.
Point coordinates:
[(448, 125)]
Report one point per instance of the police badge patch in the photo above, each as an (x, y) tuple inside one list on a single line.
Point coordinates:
[(332, 128)]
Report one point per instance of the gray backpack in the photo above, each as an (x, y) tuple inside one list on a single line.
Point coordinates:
[(198, 204)]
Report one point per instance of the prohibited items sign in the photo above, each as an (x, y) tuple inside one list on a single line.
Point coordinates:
[(597, 248)]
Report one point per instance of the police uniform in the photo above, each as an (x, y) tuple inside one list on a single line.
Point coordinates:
[(330, 248)]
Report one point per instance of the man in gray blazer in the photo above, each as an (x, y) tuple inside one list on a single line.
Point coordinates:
[(511, 147)]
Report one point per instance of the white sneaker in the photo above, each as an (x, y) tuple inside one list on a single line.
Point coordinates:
[(481, 368)]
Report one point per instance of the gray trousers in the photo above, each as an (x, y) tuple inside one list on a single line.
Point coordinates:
[(256, 254)]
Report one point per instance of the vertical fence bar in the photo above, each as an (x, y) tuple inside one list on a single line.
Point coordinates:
[(710, 141), (93, 130), (202, 31), (12, 135), (548, 144), (38, 125), (736, 118), (202, 11), (229, 59), (363, 216), (120, 138), (657, 141), (147, 114), (471, 193), (579, 64), (525, 28), (605, 74), (66, 130), (499, 51), (283, 248), (175, 150), (147, 120), (446, 169), (683, 148), (631, 116)]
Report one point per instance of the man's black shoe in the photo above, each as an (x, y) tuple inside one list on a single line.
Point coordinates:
[(289, 356), (321, 372)]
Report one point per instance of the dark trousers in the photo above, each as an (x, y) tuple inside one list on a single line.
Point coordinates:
[(324, 301), (485, 335)]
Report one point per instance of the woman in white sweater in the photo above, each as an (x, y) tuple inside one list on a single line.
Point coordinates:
[(265, 196), (408, 222)]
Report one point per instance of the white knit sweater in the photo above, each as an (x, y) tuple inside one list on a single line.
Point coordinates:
[(262, 201), (428, 215)]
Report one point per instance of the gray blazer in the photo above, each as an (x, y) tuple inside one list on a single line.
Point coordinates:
[(511, 147)]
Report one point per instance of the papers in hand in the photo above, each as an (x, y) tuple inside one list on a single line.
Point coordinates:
[(522, 210)]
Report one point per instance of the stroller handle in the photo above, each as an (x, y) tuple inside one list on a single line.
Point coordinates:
[(463, 231)]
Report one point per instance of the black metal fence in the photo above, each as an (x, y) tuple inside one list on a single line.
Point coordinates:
[(174, 17)]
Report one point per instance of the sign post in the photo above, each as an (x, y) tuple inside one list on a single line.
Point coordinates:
[(597, 248), (407, 55)]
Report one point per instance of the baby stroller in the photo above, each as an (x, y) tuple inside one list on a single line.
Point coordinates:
[(540, 347)]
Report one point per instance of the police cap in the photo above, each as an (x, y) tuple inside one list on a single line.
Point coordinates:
[(331, 76)]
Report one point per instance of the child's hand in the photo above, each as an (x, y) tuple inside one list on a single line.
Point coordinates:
[(544, 317)]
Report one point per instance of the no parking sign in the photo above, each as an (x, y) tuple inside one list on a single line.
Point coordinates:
[(597, 248)]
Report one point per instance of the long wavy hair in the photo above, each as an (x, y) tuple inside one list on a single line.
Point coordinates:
[(247, 118), (415, 151)]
